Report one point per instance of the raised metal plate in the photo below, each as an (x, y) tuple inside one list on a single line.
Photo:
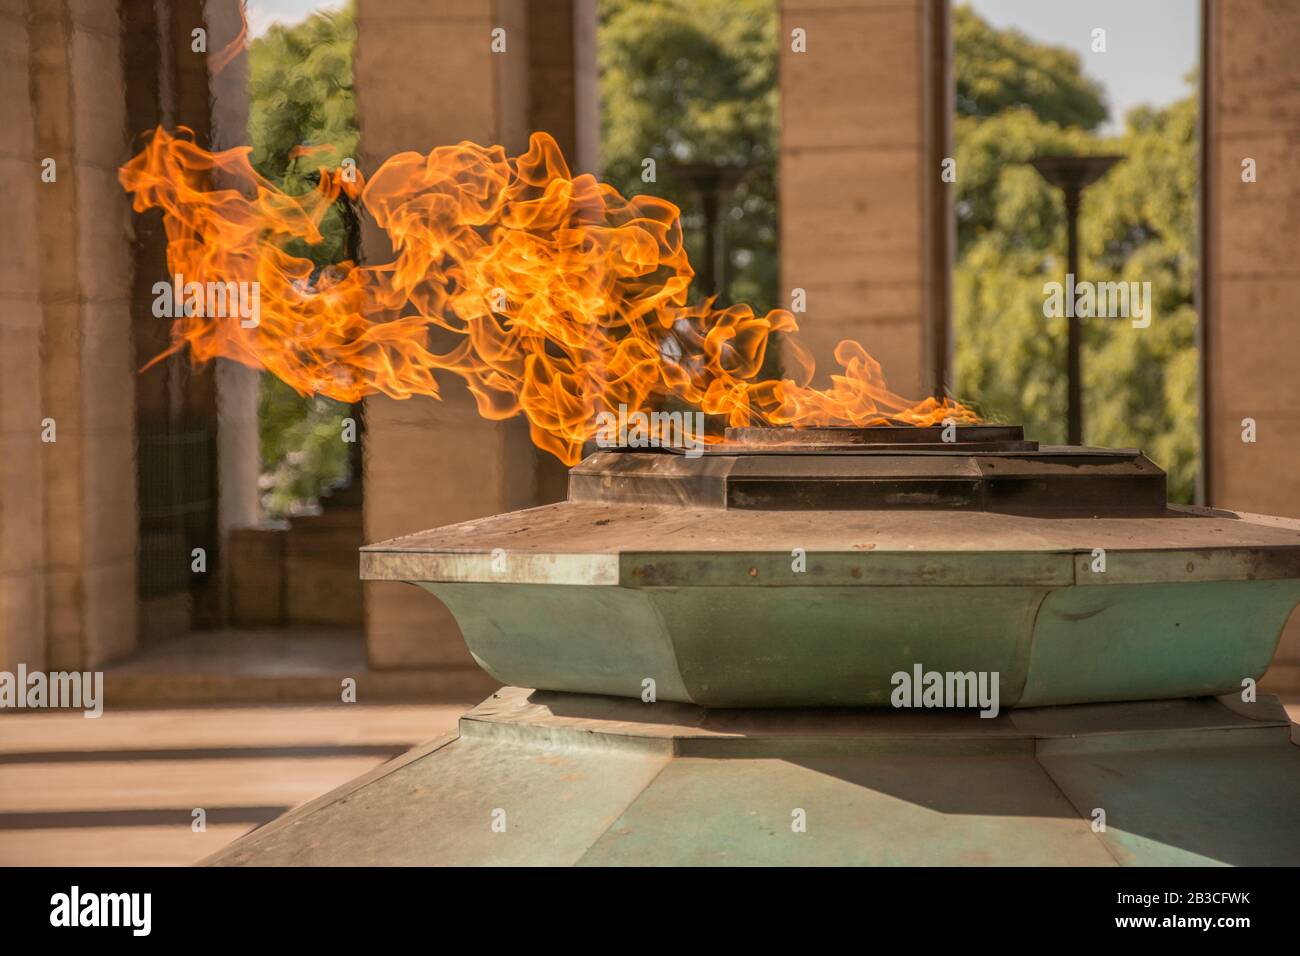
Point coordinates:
[(1054, 480)]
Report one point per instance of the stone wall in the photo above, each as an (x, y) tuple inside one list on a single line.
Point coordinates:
[(86, 366), (1252, 272), (430, 462), (22, 505), (81, 79)]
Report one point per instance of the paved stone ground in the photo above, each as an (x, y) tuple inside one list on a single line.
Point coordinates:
[(121, 789), (276, 665)]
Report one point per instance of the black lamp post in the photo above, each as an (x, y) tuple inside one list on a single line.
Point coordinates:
[(711, 182), (1072, 175)]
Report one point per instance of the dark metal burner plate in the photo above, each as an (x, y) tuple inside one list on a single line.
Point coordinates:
[(903, 437), (988, 468)]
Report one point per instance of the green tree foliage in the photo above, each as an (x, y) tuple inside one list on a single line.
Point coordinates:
[(300, 86), (1141, 384), (1137, 225), (692, 81)]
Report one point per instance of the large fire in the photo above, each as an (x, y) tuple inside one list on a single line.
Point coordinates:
[(548, 294)]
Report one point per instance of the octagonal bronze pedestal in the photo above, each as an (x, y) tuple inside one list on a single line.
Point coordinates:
[(714, 639), (553, 779)]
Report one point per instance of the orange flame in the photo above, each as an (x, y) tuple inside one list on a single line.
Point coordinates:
[(553, 295), (225, 56)]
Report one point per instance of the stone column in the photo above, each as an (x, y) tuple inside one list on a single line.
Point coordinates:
[(22, 454), (425, 76), (197, 427), (87, 370), (239, 456), (1251, 337), (239, 462), (563, 100), (1252, 272), (864, 215), (148, 60)]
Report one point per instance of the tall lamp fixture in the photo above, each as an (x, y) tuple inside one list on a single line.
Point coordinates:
[(711, 182), (1072, 175)]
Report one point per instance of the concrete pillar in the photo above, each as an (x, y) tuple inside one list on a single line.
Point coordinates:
[(564, 92), (87, 370), (430, 462), (22, 455), (239, 461), (1251, 273), (150, 95), (864, 217), (197, 427), (563, 100)]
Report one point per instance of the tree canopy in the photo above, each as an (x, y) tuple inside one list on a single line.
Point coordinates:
[(300, 92), (689, 81), (1137, 224)]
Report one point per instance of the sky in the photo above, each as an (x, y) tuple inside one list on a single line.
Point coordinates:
[(1151, 45), (262, 14)]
